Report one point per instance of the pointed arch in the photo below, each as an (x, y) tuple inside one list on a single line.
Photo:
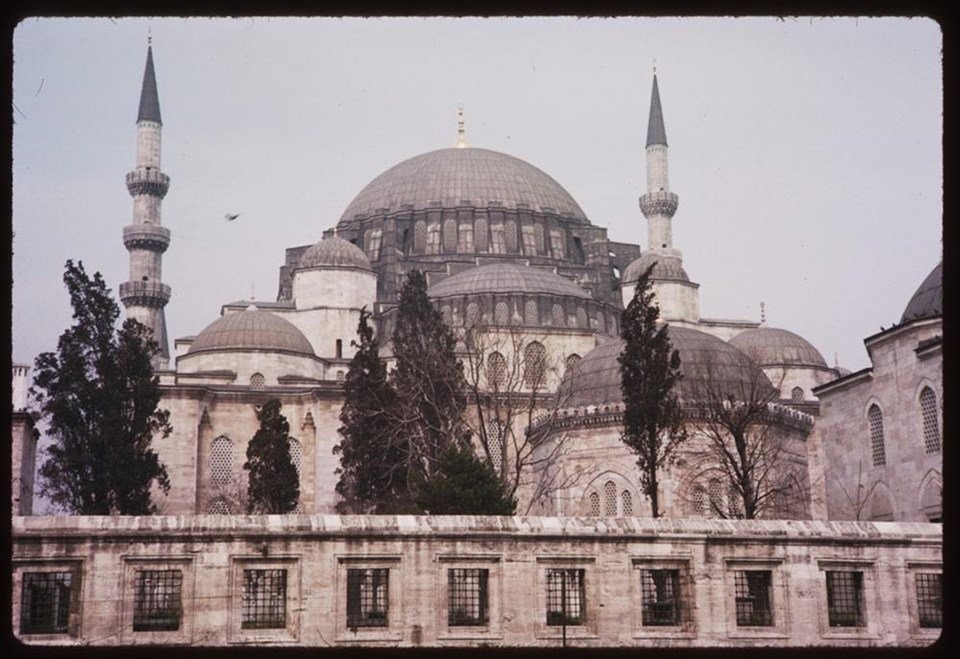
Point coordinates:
[(930, 417), (221, 461), (930, 493), (881, 504), (878, 451)]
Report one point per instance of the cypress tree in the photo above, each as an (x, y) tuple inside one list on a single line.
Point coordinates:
[(274, 485)]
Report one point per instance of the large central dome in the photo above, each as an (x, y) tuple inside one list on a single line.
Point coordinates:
[(479, 177)]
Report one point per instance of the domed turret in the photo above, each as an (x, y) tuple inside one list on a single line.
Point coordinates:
[(927, 301), (251, 330), (789, 360), (334, 252)]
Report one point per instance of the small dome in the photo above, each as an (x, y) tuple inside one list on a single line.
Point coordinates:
[(927, 302), (596, 380), (252, 330), (334, 252), (769, 346), (667, 267), (451, 176), (506, 277)]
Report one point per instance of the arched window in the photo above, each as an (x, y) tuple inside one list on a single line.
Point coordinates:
[(559, 315), (881, 508), (581, 318), (496, 369), (473, 313), (571, 362), (296, 454), (341, 376), (931, 422), (534, 363), (626, 502), (539, 238), (510, 236), (420, 236), (449, 235), (221, 461), (531, 313), (715, 488), (875, 417), (495, 441), (796, 394), (594, 504), (501, 313), (257, 381), (218, 506), (480, 234), (609, 499), (339, 348), (699, 500), (465, 241)]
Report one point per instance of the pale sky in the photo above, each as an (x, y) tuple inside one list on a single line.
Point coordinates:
[(806, 152)]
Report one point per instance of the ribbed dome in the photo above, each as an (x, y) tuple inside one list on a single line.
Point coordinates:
[(667, 267), (252, 329), (596, 378), (450, 176), (506, 278), (334, 251), (927, 302), (769, 346)]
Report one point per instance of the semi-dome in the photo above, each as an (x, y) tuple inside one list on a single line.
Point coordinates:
[(704, 358), (927, 301), (334, 252), (667, 267), (479, 177), (769, 346), (252, 329), (504, 278)]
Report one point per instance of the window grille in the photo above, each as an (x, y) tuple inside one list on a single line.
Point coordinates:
[(497, 240), (510, 236), (45, 602), (660, 598), (875, 417), (368, 597), (296, 454), (595, 504), (753, 598), (264, 599), (930, 599), (559, 316), (609, 499), (433, 237), (626, 503), (218, 506), (699, 500), (420, 236), (221, 461), (556, 244), (496, 369), (534, 363), (571, 362), (501, 313), (257, 381), (467, 590), (734, 503), (480, 234), (473, 314), (495, 443), (931, 424), (566, 597), (539, 238), (844, 599), (157, 607), (465, 239), (531, 313), (716, 496), (449, 235), (796, 394)]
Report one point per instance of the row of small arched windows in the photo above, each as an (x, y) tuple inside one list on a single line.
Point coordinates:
[(930, 416), (534, 365), (222, 473), (612, 505)]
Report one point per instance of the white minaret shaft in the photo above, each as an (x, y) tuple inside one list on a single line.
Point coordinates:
[(145, 295), (659, 204)]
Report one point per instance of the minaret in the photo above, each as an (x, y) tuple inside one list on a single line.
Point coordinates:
[(659, 204), (145, 295)]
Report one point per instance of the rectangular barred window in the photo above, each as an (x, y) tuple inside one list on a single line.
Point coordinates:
[(264, 599), (566, 597), (467, 591), (753, 598), (930, 599), (157, 607), (368, 597), (45, 602), (660, 599), (845, 599)]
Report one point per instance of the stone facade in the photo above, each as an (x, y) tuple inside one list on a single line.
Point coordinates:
[(596, 576), (23, 458)]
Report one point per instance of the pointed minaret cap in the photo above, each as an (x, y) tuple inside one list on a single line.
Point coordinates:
[(656, 133), (149, 99), (461, 131)]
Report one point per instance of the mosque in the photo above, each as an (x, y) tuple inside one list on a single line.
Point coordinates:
[(534, 291)]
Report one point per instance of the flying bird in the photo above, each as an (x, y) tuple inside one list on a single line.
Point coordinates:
[(230, 217)]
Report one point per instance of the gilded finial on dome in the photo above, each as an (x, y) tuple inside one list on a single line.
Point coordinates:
[(654, 66), (763, 313), (149, 37), (461, 131)]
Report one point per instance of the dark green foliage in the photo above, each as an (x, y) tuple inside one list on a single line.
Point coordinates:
[(373, 461), (274, 485), (464, 484), (99, 396), (650, 370)]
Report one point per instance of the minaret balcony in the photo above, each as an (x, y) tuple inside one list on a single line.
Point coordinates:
[(661, 202), (144, 294), (147, 181), (146, 236)]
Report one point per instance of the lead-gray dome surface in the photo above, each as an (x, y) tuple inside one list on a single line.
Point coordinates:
[(705, 361), (667, 267), (451, 176), (252, 329), (769, 346), (927, 301), (334, 251), (506, 277)]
